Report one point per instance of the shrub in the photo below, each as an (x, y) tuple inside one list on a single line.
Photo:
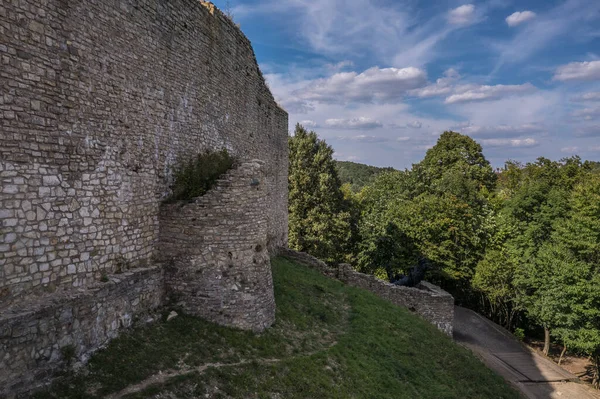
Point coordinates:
[(198, 175), (520, 334)]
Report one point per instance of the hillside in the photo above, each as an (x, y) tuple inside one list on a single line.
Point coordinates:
[(358, 175), (329, 341)]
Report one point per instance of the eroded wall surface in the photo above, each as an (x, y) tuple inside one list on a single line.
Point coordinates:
[(99, 100), (37, 338), (215, 247)]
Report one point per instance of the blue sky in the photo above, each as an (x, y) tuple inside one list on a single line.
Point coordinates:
[(380, 80)]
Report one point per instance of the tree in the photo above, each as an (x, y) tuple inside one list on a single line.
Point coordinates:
[(456, 165), (439, 210), (494, 277), (318, 221), (539, 202), (576, 247)]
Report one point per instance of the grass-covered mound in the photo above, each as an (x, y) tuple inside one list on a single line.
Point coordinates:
[(329, 341)]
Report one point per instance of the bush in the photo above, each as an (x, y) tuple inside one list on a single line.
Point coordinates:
[(198, 175), (520, 334)]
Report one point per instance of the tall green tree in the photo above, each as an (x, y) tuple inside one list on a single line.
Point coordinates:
[(439, 209), (540, 201), (575, 250), (319, 221)]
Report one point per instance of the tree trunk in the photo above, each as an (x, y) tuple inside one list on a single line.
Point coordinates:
[(596, 373), (562, 353), (546, 341)]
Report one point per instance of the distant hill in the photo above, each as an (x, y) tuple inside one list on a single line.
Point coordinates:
[(358, 175)]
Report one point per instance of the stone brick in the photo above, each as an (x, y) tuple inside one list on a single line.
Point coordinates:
[(91, 137)]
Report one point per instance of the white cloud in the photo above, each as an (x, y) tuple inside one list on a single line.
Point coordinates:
[(442, 86), (485, 92), (501, 130), (566, 19), (519, 17), (588, 70), (374, 84), (308, 123), (460, 93), (414, 124), (527, 142), (587, 113), (364, 138), (588, 131), (354, 123), (340, 65), (403, 138), (591, 96), (569, 150), (462, 15)]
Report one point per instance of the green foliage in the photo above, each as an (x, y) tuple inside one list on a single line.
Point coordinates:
[(329, 341), (575, 254), (495, 277), (439, 210), (456, 165), (196, 176), (319, 220), (519, 334), (358, 175)]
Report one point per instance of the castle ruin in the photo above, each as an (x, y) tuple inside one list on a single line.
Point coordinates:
[(99, 103)]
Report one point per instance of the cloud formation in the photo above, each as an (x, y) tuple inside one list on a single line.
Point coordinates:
[(590, 96), (485, 92), (519, 17), (569, 150), (500, 130), (364, 138), (362, 123), (527, 142), (587, 113), (462, 15), (588, 131), (373, 85), (587, 70), (308, 123)]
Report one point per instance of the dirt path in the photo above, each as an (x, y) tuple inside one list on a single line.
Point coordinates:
[(163, 377), (534, 375)]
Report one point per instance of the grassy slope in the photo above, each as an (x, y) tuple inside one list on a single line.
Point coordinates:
[(329, 341)]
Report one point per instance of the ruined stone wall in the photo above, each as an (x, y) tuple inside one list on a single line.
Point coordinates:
[(99, 100), (35, 337), (215, 247), (427, 300)]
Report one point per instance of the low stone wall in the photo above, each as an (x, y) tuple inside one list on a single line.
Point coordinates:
[(36, 336), (427, 300), (215, 251)]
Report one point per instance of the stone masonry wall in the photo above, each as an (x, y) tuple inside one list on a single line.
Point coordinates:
[(215, 247), (99, 100), (427, 300), (34, 338)]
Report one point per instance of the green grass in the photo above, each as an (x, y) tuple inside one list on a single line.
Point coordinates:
[(329, 341)]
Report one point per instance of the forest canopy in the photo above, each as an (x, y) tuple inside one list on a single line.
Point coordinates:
[(520, 244)]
